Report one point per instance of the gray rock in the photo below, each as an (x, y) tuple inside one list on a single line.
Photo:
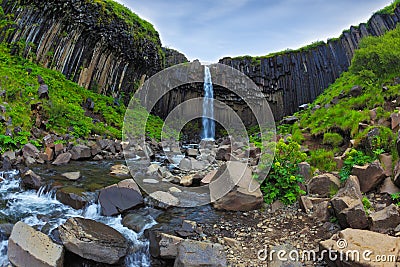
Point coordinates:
[(348, 206), (43, 91), (323, 185), (80, 152), (196, 254), (93, 240), (362, 241), (10, 155), (356, 90), (222, 151), (120, 197), (5, 230), (191, 152), (385, 220), (163, 200), (185, 164), (30, 150), (73, 176), (245, 194), (162, 245), (290, 120), (136, 222), (305, 170), (71, 199), (28, 247), (31, 180), (370, 175), (63, 158), (388, 187), (316, 206)]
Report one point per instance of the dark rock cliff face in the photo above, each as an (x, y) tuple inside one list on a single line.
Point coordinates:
[(295, 78), (86, 41), (173, 57)]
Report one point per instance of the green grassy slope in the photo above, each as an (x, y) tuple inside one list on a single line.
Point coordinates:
[(340, 114)]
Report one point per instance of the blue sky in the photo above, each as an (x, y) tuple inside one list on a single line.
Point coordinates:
[(211, 29)]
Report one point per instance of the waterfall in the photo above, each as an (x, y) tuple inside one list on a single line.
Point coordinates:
[(208, 107)]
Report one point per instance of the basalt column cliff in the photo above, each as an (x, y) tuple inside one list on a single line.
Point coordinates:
[(101, 45), (293, 78)]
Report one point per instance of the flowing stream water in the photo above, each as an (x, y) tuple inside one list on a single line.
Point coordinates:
[(208, 107), (42, 211)]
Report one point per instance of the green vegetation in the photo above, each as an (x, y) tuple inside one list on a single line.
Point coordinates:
[(365, 71), (396, 198), (367, 205), (257, 60), (389, 9), (63, 111), (340, 114), (322, 160), (283, 180), (332, 139), (354, 157)]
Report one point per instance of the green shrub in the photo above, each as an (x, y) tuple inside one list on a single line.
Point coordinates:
[(396, 198), (383, 141), (322, 160), (283, 179), (332, 139), (354, 157), (367, 205), (378, 55)]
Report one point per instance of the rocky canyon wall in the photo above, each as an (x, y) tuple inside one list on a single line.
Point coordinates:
[(293, 78), (98, 44)]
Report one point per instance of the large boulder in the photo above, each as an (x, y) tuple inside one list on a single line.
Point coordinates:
[(245, 194), (30, 150), (388, 187), (72, 199), (386, 161), (63, 158), (162, 245), (318, 207), (385, 220), (136, 222), (370, 175), (31, 180), (28, 247), (80, 152), (163, 200), (366, 244), (348, 206), (120, 197), (93, 240), (196, 254), (323, 185)]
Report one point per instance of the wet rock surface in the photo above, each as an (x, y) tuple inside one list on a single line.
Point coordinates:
[(93, 240), (120, 197), (28, 247)]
